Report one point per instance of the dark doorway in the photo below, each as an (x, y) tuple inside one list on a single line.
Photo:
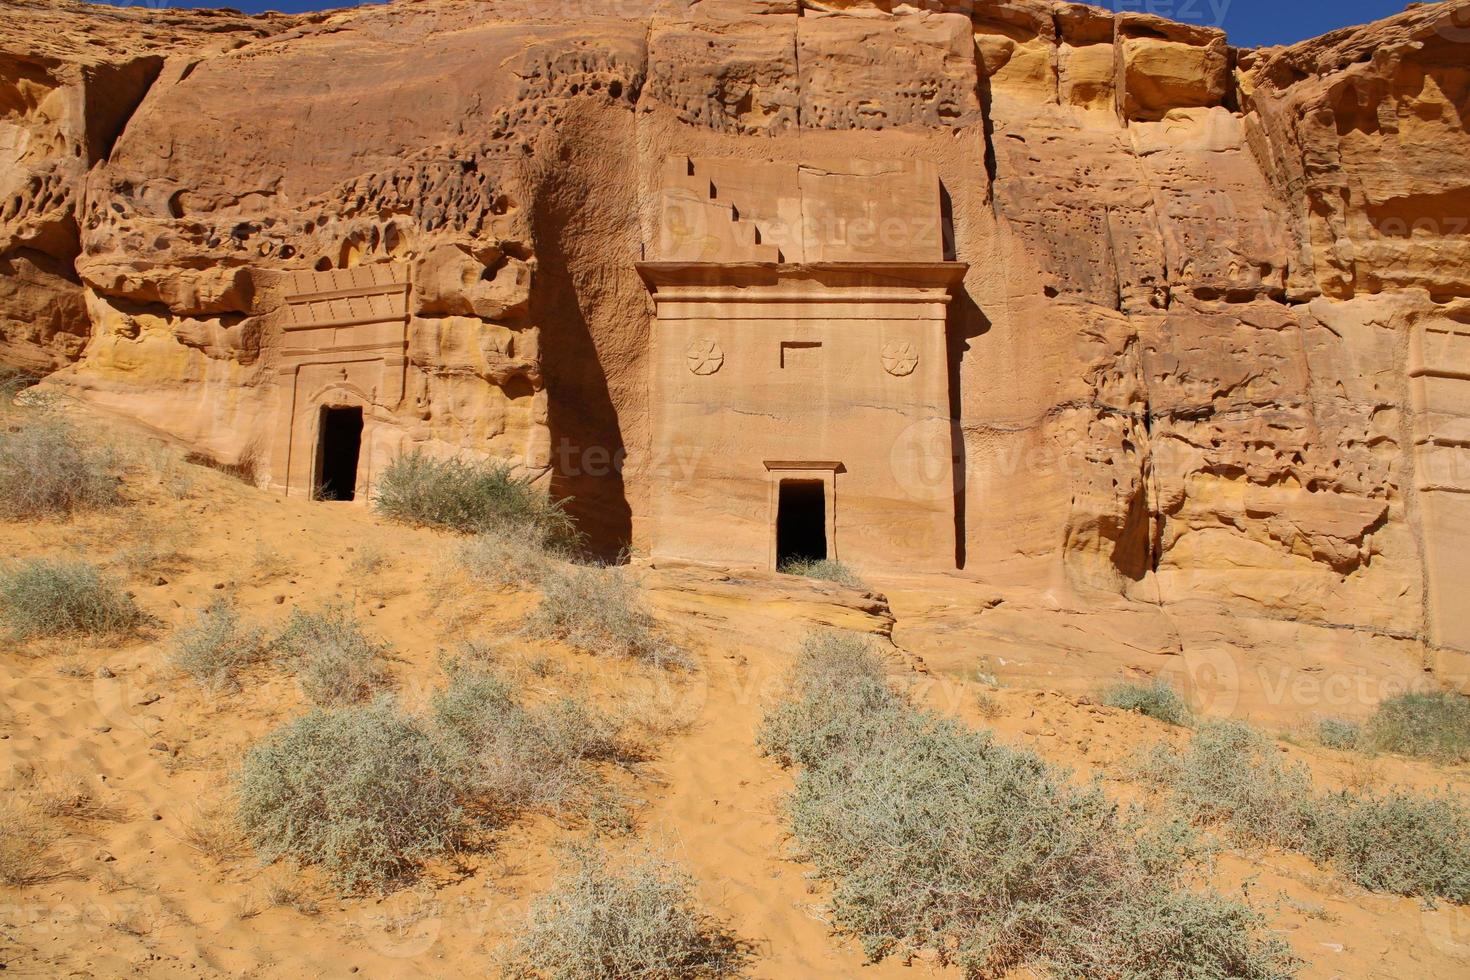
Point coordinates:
[(801, 522), (338, 447)]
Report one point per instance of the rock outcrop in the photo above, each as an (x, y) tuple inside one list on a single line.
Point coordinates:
[(1209, 352)]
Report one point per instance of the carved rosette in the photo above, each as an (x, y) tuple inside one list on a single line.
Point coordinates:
[(900, 358), (704, 356)]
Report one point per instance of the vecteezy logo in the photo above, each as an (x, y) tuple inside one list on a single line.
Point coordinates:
[(1212, 680), (922, 460), (686, 232)]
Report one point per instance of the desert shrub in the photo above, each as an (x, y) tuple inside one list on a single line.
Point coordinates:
[(600, 611), (335, 662), (218, 646), (1402, 842), (1231, 774), (505, 559), (58, 597), (47, 470), (824, 569), (470, 497), (1338, 733), (838, 689), (1430, 725), (364, 792), (509, 757), (1157, 700), (937, 838), (604, 923)]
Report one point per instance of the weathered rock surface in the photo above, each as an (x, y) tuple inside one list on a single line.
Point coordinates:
[(1210, 350)]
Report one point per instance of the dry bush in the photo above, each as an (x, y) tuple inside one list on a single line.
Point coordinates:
[(45, 597), (218, 646), (269, 564), (47, 470), (601, 611), (1428, 725), (369, 560), (1157, 700), (509, 757), (365, 792), (1402, 842), (1338, 733), (505, 559), (601, 922), (825, 569), (29, 846), (470, 497), (939, 840), (659, 710), (335, 662)]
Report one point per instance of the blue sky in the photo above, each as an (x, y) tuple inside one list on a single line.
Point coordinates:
[(1248, 22)]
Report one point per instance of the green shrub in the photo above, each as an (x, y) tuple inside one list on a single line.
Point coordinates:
[(363, 791), (335, 662), (57, 597), (1339, 733), (509, 757), (824, 569), (1430, 725), (936, 838), (643, 921), (1406, 843), (470, 497), (1157, 700), (217, 647), (47, 470), (600, 611)]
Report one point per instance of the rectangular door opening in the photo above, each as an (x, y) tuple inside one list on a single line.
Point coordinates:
[(339, 444), (801, 522)]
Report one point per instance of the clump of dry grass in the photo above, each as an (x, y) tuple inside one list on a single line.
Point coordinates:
[(335, 661), (210, 829), (45, 597), (48, 470), (29, 846), (509, 756), (604, 922), (1431, 725), (508, 559), (1157, 699), (824, 570), (365, 792), (218, 646), (601, 611), (471, 497)]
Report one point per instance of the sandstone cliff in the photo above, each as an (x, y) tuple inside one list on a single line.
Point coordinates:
[(1208, 355)]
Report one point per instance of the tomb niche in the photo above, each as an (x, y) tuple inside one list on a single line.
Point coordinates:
[(800, 377), (340, 374)]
